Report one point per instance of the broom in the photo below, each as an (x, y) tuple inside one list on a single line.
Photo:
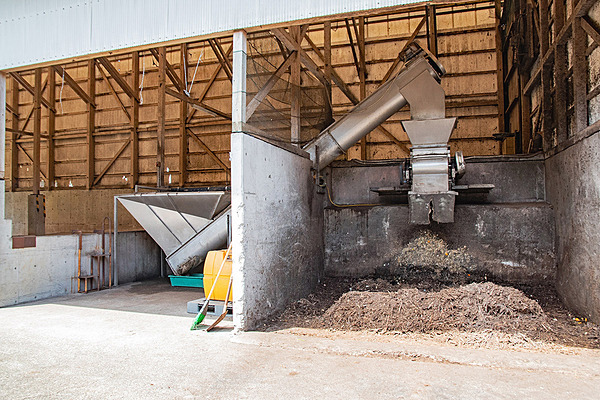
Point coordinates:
[(202, 313), (222, 316)]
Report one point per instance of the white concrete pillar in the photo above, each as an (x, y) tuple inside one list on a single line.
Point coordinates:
[(238, 118), (2, 142), (238, 82)]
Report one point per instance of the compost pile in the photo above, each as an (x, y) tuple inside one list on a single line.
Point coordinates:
[(428, 257), (476, 306), (429, 249)]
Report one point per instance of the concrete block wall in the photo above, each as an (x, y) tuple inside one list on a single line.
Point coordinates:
[(573, 187), (277, 232)]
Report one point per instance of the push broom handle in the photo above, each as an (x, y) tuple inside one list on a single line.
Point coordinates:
[(214, 285)]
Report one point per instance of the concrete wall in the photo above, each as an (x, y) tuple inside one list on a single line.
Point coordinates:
[(516, 179), (573, 186), (508, 242), (510, 232), (277, 229), (46, 270)]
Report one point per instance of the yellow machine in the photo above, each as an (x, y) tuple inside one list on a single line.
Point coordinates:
[(212, 264)]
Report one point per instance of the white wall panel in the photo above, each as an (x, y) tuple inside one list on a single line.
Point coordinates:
[(36, 31)]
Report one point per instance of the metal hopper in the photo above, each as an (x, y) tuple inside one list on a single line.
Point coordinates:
[(186, 225)]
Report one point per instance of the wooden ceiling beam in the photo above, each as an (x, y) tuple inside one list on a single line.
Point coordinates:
[(198, 105), (264, 91), (112, 71), (19, 78), (209, 151), (113, 91), (111, 162), (291, 44), (588, 26), (209, 84), (222, 57), (170, 72), (74, 85)]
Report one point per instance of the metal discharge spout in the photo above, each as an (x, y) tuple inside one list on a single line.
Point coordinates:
[(380, 105)]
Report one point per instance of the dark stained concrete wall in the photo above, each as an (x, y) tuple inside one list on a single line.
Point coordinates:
[(509, 242), (517, 179), (511, 234), (573, 187)]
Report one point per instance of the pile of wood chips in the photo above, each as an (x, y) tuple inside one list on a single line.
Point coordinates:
[(476, 306)]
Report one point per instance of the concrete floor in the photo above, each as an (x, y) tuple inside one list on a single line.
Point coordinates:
[(135, 342)]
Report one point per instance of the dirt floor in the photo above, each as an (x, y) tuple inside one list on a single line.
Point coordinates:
[(475, 314)]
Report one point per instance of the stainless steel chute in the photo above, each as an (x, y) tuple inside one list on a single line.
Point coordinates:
[(186, 225)]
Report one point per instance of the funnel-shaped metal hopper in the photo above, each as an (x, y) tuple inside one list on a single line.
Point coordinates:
[(429, 131), (173, 219)]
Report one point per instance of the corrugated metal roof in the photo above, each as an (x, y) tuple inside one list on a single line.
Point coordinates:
[(36, 31)]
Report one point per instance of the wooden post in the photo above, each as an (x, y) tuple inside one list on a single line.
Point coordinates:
[(580, 73), (135, 119), (51, 125), (560, 92), (500, 70), (37, 126), (14, 160), (91, 124), (545, 78), (327, 55), (183, 111), (296, 93), (160, 139), (362, 77), (526, 135), (432, 30)]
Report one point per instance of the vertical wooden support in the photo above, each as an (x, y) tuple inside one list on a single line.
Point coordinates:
[(183, 111), (500, 69), (296, 93), (14, 159), (238, 82), (432, 30), (580, 73), (560, 15), (327, 56), (135, 120), (91, 124), (560, 92), (546, 77), (523, 145), (362, 77), (160, 139), (51, 125), (37, 127)]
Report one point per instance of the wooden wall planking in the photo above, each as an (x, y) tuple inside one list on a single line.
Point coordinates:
[(466, 46)]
